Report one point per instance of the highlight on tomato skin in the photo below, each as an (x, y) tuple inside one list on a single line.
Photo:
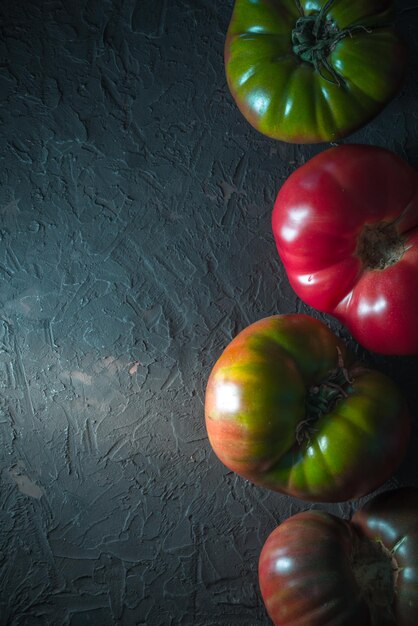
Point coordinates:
[(346, 229), (317, 569), (288, 407), (310, 72)]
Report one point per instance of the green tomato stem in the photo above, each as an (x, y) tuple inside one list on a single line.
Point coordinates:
[(314, 38)]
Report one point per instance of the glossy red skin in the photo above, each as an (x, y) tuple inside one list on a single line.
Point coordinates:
[(318, 216), (306, 570)]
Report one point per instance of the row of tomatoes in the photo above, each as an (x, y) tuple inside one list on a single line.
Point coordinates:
[(291, 409), (287, 405)]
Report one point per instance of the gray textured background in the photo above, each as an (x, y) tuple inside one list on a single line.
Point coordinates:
[(135, 241)]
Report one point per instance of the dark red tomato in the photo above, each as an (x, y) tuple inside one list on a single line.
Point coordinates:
[(346, 228), (392, 518), (318, 570), (288, 408)]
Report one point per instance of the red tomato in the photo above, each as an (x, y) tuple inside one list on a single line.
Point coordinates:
[(318, 570), (346, 228)]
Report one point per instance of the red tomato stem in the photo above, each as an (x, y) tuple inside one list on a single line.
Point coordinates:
[(375, 570), (379, 246)]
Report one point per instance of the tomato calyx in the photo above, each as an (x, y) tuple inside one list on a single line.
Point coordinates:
[(315, 36), (379, 246), (323, 397), (376, 570)]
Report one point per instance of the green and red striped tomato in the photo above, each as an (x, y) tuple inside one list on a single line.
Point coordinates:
[(288, 408), (307, 71), (316, 569)]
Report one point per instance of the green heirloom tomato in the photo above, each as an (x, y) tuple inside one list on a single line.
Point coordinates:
[(308, 71), (288, 408)]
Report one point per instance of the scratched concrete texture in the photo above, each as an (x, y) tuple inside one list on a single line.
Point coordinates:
[(135, 242)]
